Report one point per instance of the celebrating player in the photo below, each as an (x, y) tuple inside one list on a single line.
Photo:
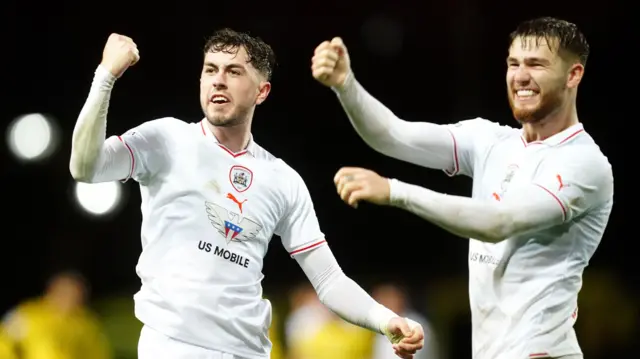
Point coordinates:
[(542, 193), (212, 199)]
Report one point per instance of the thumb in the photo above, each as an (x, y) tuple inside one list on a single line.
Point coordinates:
[(338, 45), (404, 329)]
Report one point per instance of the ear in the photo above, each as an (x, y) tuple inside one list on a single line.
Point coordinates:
[(264, 89), (576, 71)]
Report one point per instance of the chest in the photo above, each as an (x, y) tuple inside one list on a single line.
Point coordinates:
[(240, 195), (506, 167)]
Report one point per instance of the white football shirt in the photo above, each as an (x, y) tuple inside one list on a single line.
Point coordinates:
[(208, 215), (523, 291)]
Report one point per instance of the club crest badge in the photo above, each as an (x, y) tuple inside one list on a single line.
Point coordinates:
[(511, 171), (241, 178)]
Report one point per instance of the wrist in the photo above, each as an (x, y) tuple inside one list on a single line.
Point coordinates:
[(104, 75), (346, 85), (380, 317), (397, 192)]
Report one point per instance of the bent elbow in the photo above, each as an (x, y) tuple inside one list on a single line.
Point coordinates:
[(378, 144), (79, 172), (78, 175), (383, 143), (500, 228)]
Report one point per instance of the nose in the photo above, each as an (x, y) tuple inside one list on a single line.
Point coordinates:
[(219, 81), (521, 75)]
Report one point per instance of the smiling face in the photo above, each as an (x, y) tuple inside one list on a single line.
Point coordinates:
[(538, 78), (230, 87)]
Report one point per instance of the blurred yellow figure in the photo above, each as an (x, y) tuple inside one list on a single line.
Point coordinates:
[(335, 339), (277, 352), (7, 350), (57, 325), (313, 332)]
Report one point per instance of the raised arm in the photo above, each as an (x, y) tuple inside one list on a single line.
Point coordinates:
[(93, 157), (426, 144)]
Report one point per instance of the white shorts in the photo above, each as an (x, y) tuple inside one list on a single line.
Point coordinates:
[(155, 345)]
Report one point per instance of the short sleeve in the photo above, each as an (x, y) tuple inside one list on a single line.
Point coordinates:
[(147, 146), (471, 138), (299, 228), (577, 184)]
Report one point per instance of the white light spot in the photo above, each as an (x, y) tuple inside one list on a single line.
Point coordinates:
[(98, 198), (30, 137)]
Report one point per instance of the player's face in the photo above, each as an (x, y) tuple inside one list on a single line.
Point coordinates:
[(537, 79), (230, 88)]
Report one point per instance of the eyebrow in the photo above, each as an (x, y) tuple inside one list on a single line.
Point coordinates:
[(530, 60), (229, 66)]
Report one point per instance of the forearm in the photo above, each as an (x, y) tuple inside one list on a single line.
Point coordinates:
[(349, 301), (462, 216), (90, 130), (370, 118), (421, 143), (341, 294), (488, 221)]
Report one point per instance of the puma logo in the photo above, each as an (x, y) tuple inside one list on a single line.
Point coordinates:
[(235, 200), (561, 186)]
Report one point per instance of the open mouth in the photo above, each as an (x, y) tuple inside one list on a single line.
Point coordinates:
[(219, 99), (524, 95)]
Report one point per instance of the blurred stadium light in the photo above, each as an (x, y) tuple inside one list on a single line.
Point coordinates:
[(32, 137), (98, 199)]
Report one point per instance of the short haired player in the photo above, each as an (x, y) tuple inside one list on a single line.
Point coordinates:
[(542, 191), (211, 200)]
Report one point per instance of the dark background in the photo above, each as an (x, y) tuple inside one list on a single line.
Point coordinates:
[(449, 66)]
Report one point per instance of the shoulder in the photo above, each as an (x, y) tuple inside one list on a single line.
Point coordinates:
[(584, 156), (16, 321), (28, 306), (262, 154), (89, 318), (482, 131), (582, 163), (280, 168), (289, 173), (484, 124), (163, 125)]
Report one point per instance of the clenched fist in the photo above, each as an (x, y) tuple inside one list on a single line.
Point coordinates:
[(119, 53), (330, 64), (359, 184), (406, 336)]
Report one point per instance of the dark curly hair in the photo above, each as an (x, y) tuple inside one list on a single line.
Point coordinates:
[(261, 55), (569, 38)]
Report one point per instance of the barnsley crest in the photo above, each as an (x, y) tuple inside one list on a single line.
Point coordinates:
[(241, 178), (232, 226)]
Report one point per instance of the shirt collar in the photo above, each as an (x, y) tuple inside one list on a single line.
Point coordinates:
[(559, 138), (250, 149)]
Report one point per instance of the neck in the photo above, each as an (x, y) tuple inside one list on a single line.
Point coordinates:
[(61, 305), (552, 124), (235, 138)]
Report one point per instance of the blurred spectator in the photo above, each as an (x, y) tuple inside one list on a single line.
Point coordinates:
[(277, 351), (7, 349), (313, 332), (57, 325), (395, 298)]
